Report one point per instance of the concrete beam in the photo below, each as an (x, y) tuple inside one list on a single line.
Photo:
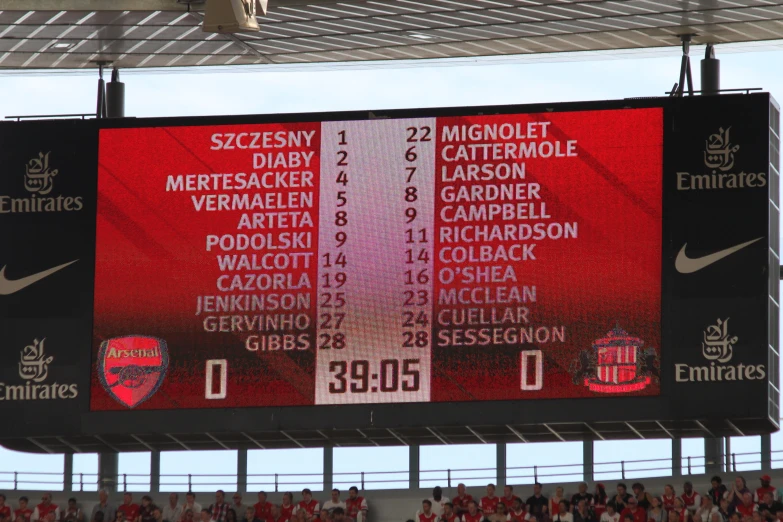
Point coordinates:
[(588, 456), (108, 467), (328, 468), (413, 466), (500, 462), (155, 471)]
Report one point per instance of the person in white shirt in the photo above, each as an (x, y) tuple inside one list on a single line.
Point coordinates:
[(334, 502), (705, 511), (610, 515), (564, 513), (172, 512), (237, 505), (438, 500), (192, 505)]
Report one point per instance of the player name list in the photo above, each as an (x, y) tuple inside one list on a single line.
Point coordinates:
[(375, 243)]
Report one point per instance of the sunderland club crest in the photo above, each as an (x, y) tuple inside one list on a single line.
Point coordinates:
[(133, 367), (616, 364)]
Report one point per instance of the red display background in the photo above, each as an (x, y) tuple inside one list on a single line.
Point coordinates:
[(147, 236), (609, 275)]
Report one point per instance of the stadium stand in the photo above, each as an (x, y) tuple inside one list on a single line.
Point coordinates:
[(748, 497)]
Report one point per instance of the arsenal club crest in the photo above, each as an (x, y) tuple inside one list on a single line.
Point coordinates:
[(133, 367)]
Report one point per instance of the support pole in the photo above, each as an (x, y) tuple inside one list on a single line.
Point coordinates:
[(685, 68), (413, 466), (115, 96), (328, 468), (713, 455), (588, 456), (108, 469), (710, 72), (100, 109), (155, 471), (68, 472), (242, 471), (676, 457), (500, 463)]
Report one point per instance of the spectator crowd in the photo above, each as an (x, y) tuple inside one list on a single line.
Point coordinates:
[(352, 509), (721, 503)]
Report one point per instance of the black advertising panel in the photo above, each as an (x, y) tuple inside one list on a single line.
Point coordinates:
[(721, 198), (575, 263), (47, 222)]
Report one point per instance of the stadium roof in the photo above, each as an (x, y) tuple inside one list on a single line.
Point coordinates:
[(74, 34)]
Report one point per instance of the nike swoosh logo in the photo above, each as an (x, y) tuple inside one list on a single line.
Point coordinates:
[(687, 265), (8, 287)]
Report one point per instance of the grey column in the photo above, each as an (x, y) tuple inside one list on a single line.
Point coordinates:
[(242, 471), (713, 455), (676, 457), (588, 456), (108, 468), (413, 466), (766, 452), (500, 462), (154, 471), (328, 468), (68, 472)]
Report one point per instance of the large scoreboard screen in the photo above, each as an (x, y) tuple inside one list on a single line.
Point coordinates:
[(382, 269), (393, 260)]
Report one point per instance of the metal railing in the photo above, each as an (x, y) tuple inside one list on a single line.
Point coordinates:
[(279, 482)]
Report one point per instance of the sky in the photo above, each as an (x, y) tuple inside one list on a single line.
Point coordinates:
[(461, 82)]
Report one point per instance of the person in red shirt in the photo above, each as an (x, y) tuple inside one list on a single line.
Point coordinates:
[(690, 498), (461, 500), (44, 508), (448, 513), (634, 511), (509, 497), (308, 504), (288, 507), (556, 499), (599, 500), (5, 511), (355, 504), (489, 504), (129, 510), (517, 512), (668, 497), (262, 507), (275, 515), (679, 508), (472, 514), (426, 514), (747, 507), (24, 510), (766, 487)]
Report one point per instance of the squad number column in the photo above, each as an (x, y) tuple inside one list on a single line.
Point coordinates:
[(375, 261)]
